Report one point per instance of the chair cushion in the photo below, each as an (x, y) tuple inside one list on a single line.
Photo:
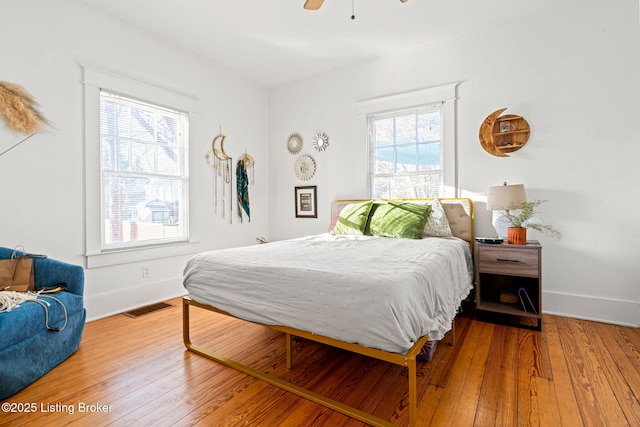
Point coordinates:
[(29, 319)]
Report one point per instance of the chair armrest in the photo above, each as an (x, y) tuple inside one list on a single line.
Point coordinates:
[(50, 272)]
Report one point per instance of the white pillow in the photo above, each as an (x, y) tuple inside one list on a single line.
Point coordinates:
[(437, 223)]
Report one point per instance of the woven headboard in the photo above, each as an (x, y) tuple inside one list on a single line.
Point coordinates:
[(459, 212)]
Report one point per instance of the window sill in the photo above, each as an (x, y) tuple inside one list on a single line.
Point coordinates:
[(124, 256)]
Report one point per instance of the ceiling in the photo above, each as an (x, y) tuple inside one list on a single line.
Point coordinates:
[(274, 42)]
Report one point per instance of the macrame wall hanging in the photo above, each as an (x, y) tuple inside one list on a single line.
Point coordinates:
[(222, 182)]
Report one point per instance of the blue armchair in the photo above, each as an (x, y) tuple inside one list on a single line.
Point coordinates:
[(28, 350)]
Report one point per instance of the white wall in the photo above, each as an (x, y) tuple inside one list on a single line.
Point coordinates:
[(43, 45), (573, 73)]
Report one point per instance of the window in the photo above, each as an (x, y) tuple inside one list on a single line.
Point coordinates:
[(411, 143), (143, 172), (406, 153), (136, 169)]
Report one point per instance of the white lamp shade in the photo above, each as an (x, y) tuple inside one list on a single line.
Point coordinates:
[(505, 197)]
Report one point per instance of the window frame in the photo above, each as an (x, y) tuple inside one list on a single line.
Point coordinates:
[(115, 172), (394, 115), (94, 81), (444, 95)]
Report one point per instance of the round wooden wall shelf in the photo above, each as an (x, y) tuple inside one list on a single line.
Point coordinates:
[(500, 135)]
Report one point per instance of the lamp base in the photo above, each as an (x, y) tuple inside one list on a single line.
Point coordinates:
[(501, 224)]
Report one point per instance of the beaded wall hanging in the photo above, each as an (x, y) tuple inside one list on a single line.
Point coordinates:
[(221, 163)]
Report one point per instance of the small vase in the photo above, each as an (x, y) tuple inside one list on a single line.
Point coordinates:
[(517, 236)]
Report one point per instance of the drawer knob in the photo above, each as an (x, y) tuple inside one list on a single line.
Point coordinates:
[(507, 260)]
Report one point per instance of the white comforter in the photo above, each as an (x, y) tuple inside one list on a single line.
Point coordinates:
[(378, 292)]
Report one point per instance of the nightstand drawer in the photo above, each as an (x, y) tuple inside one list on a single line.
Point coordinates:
[(518, 262)]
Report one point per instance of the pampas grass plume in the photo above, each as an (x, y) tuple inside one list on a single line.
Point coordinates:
[(19, 109)]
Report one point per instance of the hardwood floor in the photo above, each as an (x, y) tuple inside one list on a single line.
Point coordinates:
[(136, 372)]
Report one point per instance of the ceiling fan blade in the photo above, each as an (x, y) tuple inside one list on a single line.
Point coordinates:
[(313, 4)]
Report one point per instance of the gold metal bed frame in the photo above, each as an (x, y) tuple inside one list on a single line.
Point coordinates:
[(408, 359)]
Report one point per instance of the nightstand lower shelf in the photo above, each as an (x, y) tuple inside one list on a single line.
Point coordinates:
[(511, 314), (512, 309), (519, 320)]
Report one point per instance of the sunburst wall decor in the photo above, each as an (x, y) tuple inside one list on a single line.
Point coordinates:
[(294, 143), (320, 142)]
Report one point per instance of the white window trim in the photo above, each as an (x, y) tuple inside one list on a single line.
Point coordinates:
[(444, 94), (94, 80)]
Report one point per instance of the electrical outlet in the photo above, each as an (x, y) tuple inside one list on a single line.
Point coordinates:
[(145, 272)]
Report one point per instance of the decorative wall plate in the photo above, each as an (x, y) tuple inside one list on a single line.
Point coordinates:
[(294, 143), (320, 142), (305, 167)]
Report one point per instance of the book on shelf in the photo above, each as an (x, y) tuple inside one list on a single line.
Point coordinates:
[(525, 301)]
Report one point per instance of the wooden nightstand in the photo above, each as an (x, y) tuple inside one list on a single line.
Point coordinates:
[(509, 281)]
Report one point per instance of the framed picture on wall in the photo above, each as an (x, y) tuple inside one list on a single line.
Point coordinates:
[(306, 202), (505, 126)]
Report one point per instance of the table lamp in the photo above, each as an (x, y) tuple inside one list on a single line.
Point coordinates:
[(505, 197)]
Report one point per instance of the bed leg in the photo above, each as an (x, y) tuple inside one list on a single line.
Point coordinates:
[(289, 355), (453, 333), (185, 323), (413, 390)]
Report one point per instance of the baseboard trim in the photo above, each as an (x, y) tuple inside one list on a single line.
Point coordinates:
[(597, 309), (122, 300)]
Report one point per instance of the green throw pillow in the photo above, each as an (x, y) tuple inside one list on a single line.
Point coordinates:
[(353, 218), (399, 219)]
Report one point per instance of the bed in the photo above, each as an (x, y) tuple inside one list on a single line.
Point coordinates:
[(388, 276)]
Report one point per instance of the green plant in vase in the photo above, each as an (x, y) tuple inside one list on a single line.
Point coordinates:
[(524, 216)]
